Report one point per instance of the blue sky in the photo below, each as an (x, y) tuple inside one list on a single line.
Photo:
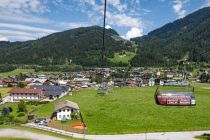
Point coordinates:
[(22, 20)]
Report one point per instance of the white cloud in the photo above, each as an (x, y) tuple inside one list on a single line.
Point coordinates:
[(3, 38), (134, 32), (18, 33), (26, 28), (117, 12), (123, 20), (19, 38), (206, 4), (71, 25), (108, 27), (178, 8), (23, 10)]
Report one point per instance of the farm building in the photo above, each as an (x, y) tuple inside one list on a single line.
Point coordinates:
[(65, 109), (169, 97), (18, 94)]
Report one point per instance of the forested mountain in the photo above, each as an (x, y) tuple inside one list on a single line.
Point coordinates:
[(188, 37), (79, 46)]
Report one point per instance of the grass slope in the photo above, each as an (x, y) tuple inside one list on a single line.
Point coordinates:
[(117, 58), (133, 110), (18, 71), (4, 92)]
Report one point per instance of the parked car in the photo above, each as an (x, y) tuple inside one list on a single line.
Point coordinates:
[(38, 120)]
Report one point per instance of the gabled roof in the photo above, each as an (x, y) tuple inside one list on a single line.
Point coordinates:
[(66, 103), (25, 91), (51, 90)]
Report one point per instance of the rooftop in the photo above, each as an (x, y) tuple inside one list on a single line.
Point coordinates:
[(25, 90), (66, 103)]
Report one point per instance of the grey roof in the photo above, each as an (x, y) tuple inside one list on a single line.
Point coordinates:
[(51, 90), (66, 103), (176, 93)]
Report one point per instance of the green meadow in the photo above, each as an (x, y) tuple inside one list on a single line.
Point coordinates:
[(134, 110)]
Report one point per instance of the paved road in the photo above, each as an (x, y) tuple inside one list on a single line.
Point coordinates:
[(5, 99), (189, 135), (25, 134)]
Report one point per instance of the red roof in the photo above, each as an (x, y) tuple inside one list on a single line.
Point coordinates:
[(25, 91)]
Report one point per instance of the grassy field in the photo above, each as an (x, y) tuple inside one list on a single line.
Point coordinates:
[(117, 58), (4, 92), (133, 110), (17, 71), (14, 106), (36, 131)]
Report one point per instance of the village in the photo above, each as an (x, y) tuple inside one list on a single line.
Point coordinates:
[(32, 89)]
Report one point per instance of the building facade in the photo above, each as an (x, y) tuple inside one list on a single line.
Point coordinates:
[(18, 94)]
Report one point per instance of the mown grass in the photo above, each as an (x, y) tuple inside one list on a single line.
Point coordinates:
[(4, 92), (37, 131), (117, 58), (18, 71), (133, 110)]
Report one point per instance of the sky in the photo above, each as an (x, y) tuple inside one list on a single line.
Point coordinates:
[(22, 20)]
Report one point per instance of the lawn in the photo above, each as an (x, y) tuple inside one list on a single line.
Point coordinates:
[(133, 110), (35, 131), (18, 71), (117, 58), (4, 92)]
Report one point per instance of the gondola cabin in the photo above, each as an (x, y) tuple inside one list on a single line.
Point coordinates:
[(167, 97)]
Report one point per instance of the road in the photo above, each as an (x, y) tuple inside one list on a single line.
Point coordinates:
[(186, 135), (5, 99), (25, 134)]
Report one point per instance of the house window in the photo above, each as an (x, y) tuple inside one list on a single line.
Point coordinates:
[(67, 115), (59, 116), (64, 110), (59, 110), (72, 110), (67, 110)]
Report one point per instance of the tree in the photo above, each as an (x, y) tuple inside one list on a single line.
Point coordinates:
[(0, 98), (22, 106), (5, 111), (21, 84)]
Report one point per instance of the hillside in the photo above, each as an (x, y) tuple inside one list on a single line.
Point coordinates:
[(81, 45), (184, 38)]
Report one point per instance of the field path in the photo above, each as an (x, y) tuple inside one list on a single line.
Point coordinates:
[(7, 132), (185, 135)]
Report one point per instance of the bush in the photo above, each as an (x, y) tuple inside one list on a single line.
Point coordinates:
[(21, 120), (21, 114), (22, 107)]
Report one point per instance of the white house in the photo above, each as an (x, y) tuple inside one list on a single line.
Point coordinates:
[(151, 81), (35, 81), (65, 109), (18, 94)]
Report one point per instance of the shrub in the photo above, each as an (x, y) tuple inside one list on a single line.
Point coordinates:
[(21, 114), (22, 107), (21, 120)]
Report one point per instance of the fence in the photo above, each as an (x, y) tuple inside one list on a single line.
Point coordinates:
[(67, 128)]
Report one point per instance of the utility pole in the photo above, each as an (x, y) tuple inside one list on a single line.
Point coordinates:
[(103, 43)]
